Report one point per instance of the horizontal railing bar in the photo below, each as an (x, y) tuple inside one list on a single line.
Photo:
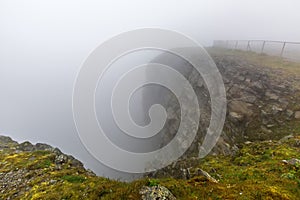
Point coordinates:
[(274, 41)]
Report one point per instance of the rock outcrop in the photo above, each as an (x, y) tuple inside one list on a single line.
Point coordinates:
[(259, 101), (22, 163)]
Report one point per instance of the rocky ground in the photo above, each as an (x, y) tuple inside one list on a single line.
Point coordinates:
[(262, 92), (257, 156), (263, 97)]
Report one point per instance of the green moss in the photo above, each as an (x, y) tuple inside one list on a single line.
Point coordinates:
[(153, 182), (257, 172), (73, 179)]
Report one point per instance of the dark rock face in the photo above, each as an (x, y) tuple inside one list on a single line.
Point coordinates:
[(257, 103), (6, 140), (259, 99), (26, 146)]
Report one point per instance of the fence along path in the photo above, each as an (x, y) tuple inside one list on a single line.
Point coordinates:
[(288, 50)]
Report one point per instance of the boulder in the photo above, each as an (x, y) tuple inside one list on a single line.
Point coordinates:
[(61, 159), (156, 193), (26, 146), (43, 147)]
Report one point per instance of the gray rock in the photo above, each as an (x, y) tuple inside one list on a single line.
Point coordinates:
[(240, 107), (276, 109), (200, 172), (26, 146), (271, 95), (6, 139), (186, 174), (293, 161), (297, 114), (289, 113), (156, 193), (258, 86), (61, 159), (285, 138), (43, 147), (265, 130), (75, 162), (236, 116)]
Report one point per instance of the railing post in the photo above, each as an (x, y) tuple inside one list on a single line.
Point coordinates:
[(282, 50), (263, 47), (248, 46), (236, 44)]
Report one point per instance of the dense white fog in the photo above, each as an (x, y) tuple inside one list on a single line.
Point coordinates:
[(44, 43)]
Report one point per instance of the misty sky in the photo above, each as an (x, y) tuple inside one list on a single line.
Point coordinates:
[(44, 43)]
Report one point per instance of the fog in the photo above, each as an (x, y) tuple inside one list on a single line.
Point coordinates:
[(44, 43)]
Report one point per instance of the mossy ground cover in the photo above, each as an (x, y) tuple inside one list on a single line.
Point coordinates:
[(256, 172)]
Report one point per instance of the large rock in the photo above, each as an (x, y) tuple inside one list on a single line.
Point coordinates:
[(6, 139), (156, 193), (26, 146), (7, 142)]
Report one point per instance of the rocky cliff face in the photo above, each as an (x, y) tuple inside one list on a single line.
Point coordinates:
[(261, 99)]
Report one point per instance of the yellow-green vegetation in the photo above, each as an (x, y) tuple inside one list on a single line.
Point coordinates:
[(256, 172)]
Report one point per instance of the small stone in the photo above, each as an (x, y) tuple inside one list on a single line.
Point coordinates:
[(236, 116), (293, 161), (271, 96), (270, 125), (258, 86), (297, 114), (240, 107), (203, 173), (276, 109), (265, 130), (289, 113), (61, 159)]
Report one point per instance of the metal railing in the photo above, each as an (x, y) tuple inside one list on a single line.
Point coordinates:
[(288, 50)]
